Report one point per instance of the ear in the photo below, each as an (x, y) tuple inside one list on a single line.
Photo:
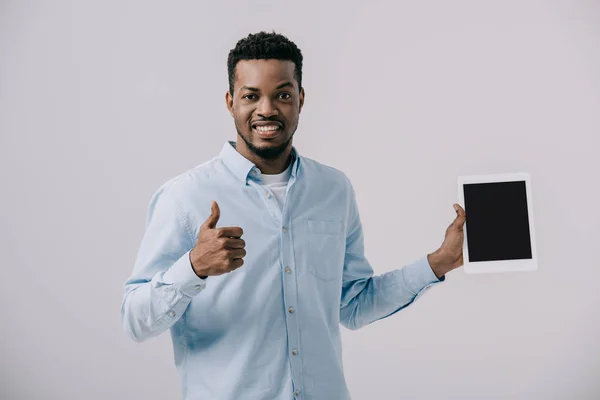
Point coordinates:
[(301, 100), (229, 102)]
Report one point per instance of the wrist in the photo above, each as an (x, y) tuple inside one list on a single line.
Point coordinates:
[(194, 269), (437, 265)]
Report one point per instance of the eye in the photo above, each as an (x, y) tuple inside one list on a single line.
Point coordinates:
[(285, 94), (248, 96)]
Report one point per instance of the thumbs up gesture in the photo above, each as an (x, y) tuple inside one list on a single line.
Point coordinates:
[(217, 250)]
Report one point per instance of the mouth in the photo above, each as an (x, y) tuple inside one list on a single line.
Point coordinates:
[(267, 130)]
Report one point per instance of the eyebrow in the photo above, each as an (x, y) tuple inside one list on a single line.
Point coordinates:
[(253, 89)]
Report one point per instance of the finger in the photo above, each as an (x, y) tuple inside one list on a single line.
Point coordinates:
[(213, 218), (236, 253), (459, 210), (230, 231), (235, 244), (461, 216), (238, 262)]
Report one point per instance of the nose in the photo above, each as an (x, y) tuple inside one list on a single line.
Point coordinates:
[(266, 108)]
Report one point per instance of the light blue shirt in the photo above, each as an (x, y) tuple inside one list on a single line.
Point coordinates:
[(269, 330)]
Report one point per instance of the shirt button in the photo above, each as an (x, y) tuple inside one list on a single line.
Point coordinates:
[(291, 310), (268, 194), (288, 270), (197, 287), (283, 229), (297, 392), (171, 313), (294, 352)]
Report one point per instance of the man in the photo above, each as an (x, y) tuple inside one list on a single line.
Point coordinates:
[(258, 317)]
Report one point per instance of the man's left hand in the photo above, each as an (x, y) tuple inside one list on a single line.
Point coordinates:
[(450, 255)]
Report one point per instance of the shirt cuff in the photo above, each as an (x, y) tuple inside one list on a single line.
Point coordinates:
[(419, 276), (182, 276)]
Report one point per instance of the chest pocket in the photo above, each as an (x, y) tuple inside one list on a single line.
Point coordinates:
[(326, 242)]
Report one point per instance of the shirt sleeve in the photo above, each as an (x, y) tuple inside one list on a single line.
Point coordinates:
[(367, 298), (163, 281)]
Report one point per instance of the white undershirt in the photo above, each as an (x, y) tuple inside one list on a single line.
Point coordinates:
[(278, 184)]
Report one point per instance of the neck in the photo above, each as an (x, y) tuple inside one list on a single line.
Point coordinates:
[(267, 166)]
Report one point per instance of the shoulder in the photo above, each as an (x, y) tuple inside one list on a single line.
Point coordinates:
[(180, 185), (328, 174)]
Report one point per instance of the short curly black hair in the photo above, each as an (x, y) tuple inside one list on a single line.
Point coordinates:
[(264, 46)]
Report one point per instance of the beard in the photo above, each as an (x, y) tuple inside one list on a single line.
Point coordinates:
[(266, 153)]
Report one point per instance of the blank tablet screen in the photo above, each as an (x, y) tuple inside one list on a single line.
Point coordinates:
[(497, 221)]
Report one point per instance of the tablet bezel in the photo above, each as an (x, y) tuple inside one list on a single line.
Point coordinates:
[(500, 265)]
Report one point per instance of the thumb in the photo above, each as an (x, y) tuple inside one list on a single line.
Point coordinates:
[(213, 218), (460, 216)]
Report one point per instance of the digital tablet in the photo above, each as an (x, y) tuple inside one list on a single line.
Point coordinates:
[(499, 230)]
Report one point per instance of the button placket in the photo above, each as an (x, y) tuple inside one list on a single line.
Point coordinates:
[(290, 294)]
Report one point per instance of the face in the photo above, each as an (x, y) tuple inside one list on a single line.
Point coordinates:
[(265, 105)]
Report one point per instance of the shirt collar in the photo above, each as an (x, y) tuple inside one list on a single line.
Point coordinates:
[(242, 167)]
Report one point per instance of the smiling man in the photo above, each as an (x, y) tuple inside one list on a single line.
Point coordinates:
[(253, 259), (267, 107)]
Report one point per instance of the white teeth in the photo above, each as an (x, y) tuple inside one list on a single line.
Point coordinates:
[(267, 128)]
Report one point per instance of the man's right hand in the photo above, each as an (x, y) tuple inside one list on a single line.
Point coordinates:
[(218, 250)]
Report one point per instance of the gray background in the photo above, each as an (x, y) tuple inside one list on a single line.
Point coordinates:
[(101, 102)]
